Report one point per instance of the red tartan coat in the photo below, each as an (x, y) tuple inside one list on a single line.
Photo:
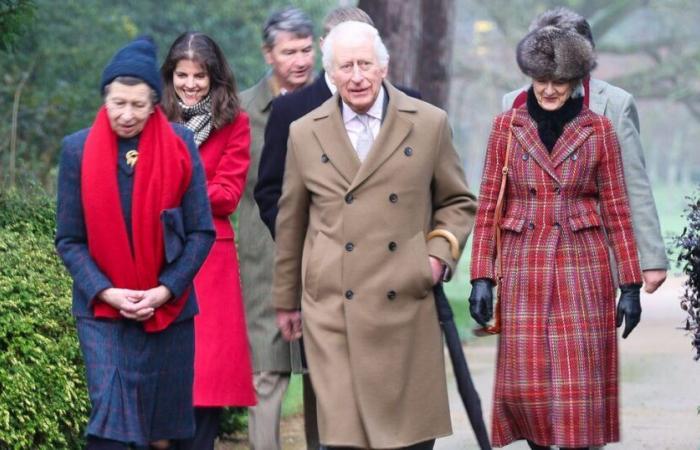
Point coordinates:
[(556, 373), (223, 373)]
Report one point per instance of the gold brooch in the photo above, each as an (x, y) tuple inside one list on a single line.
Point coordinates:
[(131, 157)]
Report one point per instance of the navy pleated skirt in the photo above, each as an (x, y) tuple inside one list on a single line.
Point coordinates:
[(140, 384)]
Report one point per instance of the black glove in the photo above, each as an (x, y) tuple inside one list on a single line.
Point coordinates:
[(481, 300), (629, 308)]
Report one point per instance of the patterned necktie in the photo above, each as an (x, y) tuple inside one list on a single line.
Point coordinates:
[(366, 138)]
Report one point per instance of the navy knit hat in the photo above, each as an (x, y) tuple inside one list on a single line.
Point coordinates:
[(135, 59)]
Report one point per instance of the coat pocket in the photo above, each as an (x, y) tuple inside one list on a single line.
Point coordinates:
[(314, 264), (419, 279), (173, 233), (590, 219), (515, 224)]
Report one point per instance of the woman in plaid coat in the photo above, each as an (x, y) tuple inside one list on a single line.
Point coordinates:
[(565, 205)]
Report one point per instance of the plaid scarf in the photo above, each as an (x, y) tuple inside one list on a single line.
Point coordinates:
[(198, 119)]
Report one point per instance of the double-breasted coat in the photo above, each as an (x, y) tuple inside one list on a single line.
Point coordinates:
[(223, 373), (556, 373), (619, 106), (351, 246)]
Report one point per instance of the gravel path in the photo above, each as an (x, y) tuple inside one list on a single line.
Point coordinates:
[(660, 385)]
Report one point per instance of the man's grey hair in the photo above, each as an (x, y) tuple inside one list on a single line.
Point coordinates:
[(565, 19), (292, 20), (344, 14), (353, 31), (131, 81)]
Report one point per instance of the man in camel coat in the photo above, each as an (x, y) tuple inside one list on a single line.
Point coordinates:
[(374, 212)]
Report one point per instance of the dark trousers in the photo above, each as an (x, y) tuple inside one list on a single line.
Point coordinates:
[(425, 445), (206, 430)]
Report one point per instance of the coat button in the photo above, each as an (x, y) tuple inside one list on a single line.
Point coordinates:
[(349, 294), (574, 157), (324, 158), (349, 246), (556, 225), (531, 226), (392, 246), (349, 198), (391, 294), (393, 198), (533, 191), (525, 156), (557, 190), (408, 151)]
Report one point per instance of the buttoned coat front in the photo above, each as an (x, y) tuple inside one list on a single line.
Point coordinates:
[(619, 106), (556, 373), (351, 244)]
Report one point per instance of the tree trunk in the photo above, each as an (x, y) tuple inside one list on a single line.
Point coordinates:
[(398, 22), (436, 51), (419, 35)]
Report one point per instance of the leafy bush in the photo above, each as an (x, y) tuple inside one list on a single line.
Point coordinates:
[(689, 261), (43, 395)]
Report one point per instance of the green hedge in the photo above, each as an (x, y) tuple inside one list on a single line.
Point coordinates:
[(43, 396)]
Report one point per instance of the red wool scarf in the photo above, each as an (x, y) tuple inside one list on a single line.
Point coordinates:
[(162, 175)]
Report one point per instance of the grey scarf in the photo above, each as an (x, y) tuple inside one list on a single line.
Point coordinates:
[(198, 119)]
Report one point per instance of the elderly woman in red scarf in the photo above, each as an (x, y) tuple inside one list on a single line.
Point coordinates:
[(133, 227)]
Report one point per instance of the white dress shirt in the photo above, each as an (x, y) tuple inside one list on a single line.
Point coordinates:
[(353, 125)]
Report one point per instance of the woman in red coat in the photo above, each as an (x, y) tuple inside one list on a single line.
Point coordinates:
[(565, 206), (200, 92)]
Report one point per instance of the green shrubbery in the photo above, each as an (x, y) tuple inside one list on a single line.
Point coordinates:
[(43, 397)]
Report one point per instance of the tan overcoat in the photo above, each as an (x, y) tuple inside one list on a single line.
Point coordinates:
[(351, 244)]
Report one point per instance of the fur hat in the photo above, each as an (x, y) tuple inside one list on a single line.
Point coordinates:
[(136, 59), (554, 53), (565, 19)]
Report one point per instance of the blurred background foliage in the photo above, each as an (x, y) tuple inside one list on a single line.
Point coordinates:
[(57, 51)]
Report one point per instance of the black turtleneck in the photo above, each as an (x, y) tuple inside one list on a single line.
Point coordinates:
[(550, 124)]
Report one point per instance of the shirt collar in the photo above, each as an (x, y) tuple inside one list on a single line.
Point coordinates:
[(374, 111)]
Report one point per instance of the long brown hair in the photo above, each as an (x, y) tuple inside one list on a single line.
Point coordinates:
[(202, 49)]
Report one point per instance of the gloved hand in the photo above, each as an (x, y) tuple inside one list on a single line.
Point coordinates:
[(629, 308), (481, 300)]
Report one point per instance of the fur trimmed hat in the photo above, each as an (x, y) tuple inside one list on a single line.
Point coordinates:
[(554, 53), (565, 19), (136, 59)]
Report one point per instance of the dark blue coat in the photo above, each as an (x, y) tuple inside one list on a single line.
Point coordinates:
[(71, 237), (140, 384)]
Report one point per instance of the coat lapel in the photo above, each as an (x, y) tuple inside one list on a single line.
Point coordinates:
[(393, 131), (525, 132), (334, 140), (575, 133)]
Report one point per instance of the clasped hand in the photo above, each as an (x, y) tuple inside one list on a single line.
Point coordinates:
[(136, 305)]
